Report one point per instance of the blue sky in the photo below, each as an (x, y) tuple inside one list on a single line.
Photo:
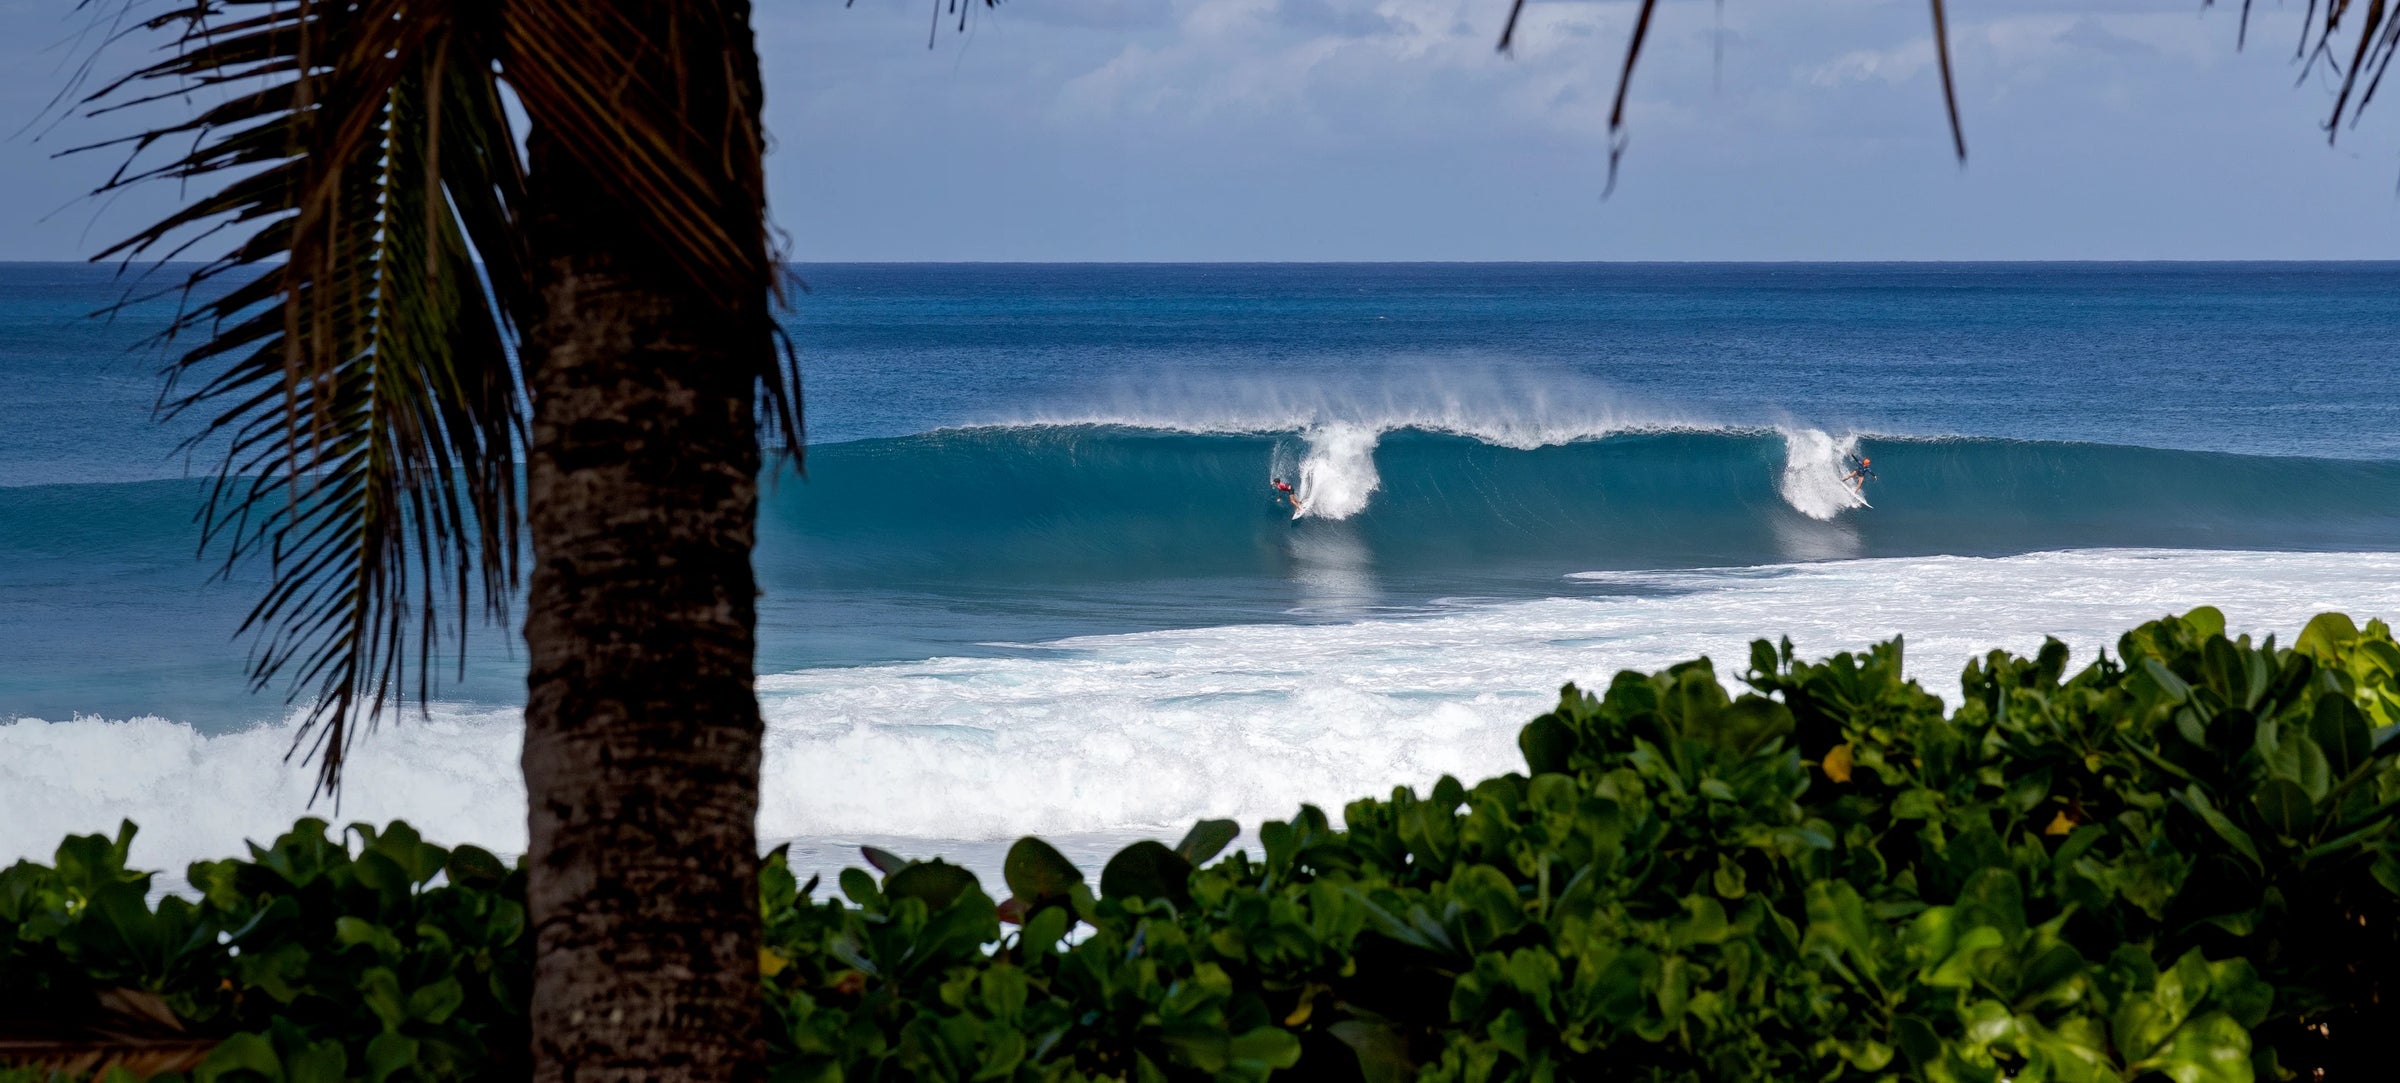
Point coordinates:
[(1391, 130)]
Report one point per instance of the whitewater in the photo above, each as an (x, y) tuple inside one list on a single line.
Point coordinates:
[(1119, 736), (1336, 475)]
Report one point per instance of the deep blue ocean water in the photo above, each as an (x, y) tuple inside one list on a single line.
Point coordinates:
[(1037, 493)]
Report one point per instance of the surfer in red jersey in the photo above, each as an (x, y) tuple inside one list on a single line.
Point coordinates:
[(1860, 473)]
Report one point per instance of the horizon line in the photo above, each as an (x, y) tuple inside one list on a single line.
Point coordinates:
[(112, 265)]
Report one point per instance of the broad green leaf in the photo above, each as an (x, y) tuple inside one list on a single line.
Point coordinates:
[(321, 1062), (1042, 931), (436, 1001), (885, 861), (1264, 1047), (1381, 1051), (244, 1052), (2192, 798), (2177, 690), (935, 883), (2326, 636), (1206, 839), (2285, 807), (1147, 870), (1036, 871), (861, 888), (475, 867), (2236, 988), (1548, 745), (2210, 1049), (389, 1054), (2341, 731)]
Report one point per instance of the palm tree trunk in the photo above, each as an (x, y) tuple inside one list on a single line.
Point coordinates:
[(642, 731)]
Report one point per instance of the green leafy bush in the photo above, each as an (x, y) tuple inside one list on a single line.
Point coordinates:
[(2178, 862), (314, 960)]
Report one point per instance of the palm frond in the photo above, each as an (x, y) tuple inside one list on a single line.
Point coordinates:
[(1641, 34), (2378, 42), (344, 348), (1941, 53), (2371, 55), (116, 1028), (581, 72)]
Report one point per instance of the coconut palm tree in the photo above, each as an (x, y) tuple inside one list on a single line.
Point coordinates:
[(350, 351)]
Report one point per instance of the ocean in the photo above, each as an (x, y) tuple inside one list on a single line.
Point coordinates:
[(1034, 579)]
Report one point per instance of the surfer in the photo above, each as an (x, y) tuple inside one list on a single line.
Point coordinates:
[(1859, 473), (1285, 495)]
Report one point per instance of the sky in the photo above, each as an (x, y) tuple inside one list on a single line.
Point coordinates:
[(1172, 130)]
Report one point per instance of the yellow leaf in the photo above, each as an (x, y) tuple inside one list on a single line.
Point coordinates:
[(1837, 763), (771, 964), (1300, 1014), (2060, 826)]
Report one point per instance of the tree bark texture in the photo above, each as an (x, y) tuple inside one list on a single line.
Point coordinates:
[(642, 731)]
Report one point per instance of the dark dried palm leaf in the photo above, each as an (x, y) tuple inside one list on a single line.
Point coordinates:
[(2371, 56), (344, 350), (959, 8), (1641, 34), (118, 1028)]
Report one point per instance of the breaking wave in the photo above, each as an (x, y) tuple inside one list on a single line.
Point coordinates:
[(1028, 504)]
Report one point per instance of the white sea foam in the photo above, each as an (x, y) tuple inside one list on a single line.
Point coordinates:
[(198, 796), (1338, 474), (1105, 736), (1814, 466)]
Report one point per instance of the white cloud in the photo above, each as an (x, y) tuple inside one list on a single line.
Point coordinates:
[(2019, 48), (1159, 128)]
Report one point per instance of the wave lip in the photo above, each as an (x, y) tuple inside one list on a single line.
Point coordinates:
[(1511, 408), (1337, 475)]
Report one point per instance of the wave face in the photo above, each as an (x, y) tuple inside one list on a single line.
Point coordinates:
[(1102, 503), (949, 542)]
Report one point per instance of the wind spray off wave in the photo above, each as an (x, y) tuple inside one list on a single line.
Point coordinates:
[(1815, 467)]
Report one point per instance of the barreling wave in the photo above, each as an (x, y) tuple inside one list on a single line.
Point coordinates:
[(1028, 505), (1109, 502)]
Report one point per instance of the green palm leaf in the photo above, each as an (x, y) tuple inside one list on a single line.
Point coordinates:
[(345, 351)]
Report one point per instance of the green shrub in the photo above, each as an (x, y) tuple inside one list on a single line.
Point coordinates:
[(2178, 862), (313, 960)]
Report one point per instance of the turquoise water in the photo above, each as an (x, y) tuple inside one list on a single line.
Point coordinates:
[(1023, 453), (1035, 548)]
